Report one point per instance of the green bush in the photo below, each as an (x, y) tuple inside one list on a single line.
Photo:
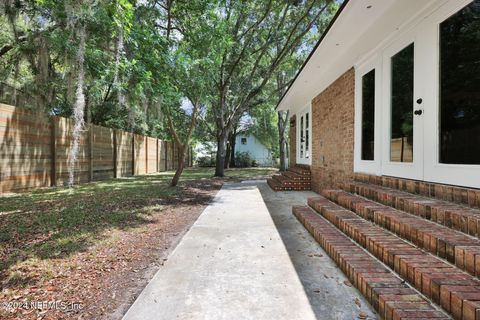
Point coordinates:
[(243, 159), (206, 161)]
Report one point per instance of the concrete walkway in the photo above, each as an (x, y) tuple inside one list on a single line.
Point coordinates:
[(247, 257)]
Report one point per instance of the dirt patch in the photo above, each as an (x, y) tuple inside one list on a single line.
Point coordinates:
[(103, 280)]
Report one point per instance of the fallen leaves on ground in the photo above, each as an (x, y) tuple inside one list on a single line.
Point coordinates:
[(106, 272), (358, 303)]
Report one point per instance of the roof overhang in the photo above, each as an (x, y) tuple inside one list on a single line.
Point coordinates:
[(358, 28)]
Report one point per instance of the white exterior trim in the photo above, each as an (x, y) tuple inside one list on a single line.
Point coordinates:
[(362, 28), (423, 31), (307, 160), (366, 166)]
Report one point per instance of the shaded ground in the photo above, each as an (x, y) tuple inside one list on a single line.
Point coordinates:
[(247, 257), (94, 247), (330, 293)]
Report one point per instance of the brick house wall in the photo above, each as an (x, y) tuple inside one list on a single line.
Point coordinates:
[(292, 157), (333, 133)]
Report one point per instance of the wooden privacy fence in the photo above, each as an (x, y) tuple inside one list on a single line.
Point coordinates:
[(34, 151)]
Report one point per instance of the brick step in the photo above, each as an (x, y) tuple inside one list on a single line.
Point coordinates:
[(296, 177), (286, 182), (279, 178), (276, 186), (386, 292), (452, 215), (300, 170), (458, 248), (467, 196), (456, 291)]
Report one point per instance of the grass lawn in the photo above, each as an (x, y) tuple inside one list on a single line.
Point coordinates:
[(80, 245)]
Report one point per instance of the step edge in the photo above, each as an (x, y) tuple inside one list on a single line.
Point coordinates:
[(354, 243)]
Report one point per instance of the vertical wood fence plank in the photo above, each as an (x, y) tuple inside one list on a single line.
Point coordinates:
[(53, 148), (115, 156), (133, 154), (146, 154), (166, 156), (90, 152)]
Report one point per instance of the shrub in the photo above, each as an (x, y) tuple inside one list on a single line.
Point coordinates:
[(243, 159), (206, 161)]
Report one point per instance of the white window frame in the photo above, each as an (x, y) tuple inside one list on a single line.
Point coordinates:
[(368, 166), (456, 174), (304, 160)]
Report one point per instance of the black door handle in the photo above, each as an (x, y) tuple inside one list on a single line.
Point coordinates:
[(418, 112), (419, 101)]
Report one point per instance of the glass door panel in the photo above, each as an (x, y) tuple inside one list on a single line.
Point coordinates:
[(460, 87), (304, 137), (401, 121), (368, 116), (307, 136)]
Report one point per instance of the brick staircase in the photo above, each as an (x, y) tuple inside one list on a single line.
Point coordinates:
[(411, 256), (297, 178)]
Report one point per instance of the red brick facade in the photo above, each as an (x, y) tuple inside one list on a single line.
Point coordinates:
[(332, 133)]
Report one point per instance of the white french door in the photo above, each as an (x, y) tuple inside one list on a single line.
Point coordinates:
[(431, 98), (402, 145), (304, 136)]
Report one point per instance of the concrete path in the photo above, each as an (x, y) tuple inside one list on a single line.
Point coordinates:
[(247, 257)]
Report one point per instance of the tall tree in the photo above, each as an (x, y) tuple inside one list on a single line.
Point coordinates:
[(286, 73), (187, 70), (257, 39)]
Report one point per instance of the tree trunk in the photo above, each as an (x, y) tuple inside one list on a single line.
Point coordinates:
[(182, 147), (180, 165), (287, 151), (232, 150), (221, 153), (282, 124), (283, 154), (228, 155)]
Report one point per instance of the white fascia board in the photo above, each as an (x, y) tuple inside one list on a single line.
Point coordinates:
[(357, 32)]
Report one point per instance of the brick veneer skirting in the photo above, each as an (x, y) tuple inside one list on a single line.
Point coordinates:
[(467, 196)]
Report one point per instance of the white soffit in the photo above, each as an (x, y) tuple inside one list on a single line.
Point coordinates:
[(362, 26)]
